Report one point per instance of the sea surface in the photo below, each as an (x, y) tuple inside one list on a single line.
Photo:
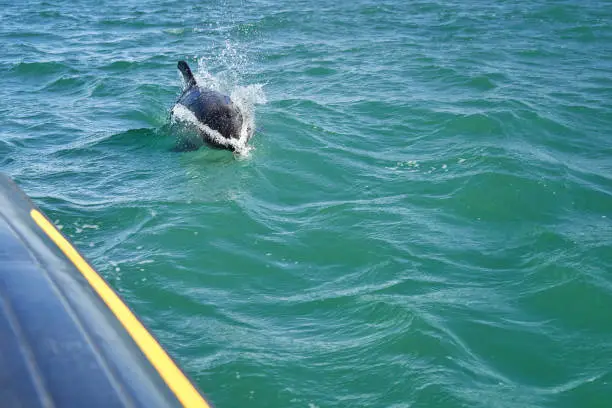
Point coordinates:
[(423, 217)]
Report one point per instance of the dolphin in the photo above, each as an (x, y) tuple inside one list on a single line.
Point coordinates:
[(213, 109)]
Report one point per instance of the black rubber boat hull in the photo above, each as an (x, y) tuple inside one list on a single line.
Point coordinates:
[(66, 338)]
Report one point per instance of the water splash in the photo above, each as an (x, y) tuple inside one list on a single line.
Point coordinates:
[(226, 81), (230, 65)]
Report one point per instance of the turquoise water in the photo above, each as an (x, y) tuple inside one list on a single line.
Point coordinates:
[(424, 218)]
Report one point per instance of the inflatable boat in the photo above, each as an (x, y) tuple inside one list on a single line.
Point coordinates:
[(67, 339)]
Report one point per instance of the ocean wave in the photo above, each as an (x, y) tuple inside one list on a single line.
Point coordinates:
[(43, 68)]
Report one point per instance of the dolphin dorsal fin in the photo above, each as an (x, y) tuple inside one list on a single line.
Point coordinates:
[(187, 74)]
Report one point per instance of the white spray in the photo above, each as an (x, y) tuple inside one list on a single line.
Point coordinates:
[(245, 98)]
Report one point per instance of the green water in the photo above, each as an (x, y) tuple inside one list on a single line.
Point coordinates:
[(424, 218)]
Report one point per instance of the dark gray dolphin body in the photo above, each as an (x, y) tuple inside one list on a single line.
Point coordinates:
[(211, 108)]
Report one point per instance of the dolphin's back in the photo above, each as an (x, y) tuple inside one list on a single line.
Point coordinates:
[(213, 109)]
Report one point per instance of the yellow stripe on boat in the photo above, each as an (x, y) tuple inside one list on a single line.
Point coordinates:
[(180, 385)]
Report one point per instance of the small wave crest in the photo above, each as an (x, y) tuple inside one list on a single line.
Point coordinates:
[(42, 68)]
